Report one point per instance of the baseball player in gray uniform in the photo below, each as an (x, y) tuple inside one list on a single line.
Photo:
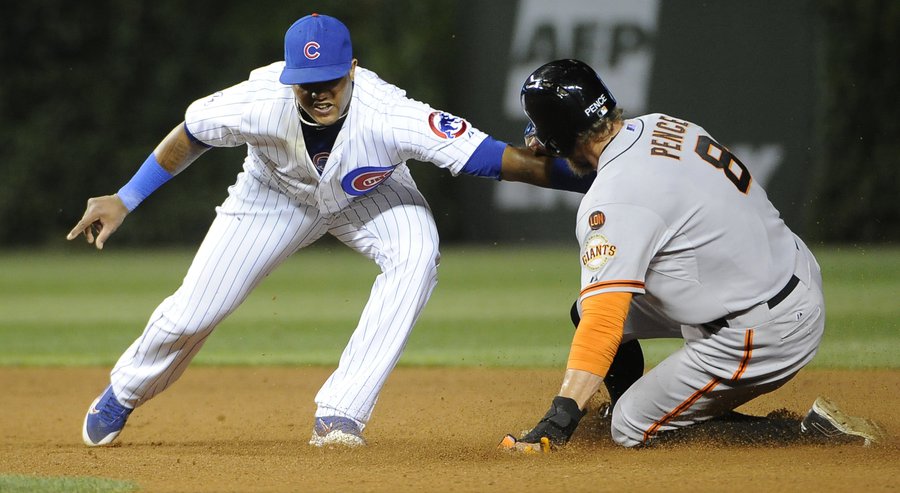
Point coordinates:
[(327, 144), (677, 240)]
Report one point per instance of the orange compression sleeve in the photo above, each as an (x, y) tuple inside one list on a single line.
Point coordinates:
[(599, 332)]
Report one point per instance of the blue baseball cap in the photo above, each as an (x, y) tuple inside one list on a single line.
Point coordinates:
[(316, 48)]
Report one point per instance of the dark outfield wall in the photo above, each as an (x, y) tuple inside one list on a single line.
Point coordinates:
[(743, 71), (805, 92)]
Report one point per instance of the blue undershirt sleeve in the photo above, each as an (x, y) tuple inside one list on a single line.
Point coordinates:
[(486, 160)]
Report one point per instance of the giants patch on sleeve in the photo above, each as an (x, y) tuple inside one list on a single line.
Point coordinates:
[(446, 126), (596, 252)]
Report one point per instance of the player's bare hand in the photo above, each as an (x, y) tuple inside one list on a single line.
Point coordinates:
[(102, 217), (510, 444)]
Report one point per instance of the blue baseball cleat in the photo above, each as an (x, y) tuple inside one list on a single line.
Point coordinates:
[(104, 420), (336, 430)]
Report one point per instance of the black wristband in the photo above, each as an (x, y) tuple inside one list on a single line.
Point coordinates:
[(558, 424)]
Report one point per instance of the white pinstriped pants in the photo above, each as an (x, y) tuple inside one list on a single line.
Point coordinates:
[(257, 228)]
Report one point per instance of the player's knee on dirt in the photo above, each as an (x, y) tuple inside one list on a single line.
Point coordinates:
[(623, 430), (628, 422)]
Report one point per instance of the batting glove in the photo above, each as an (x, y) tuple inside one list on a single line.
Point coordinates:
[(554, 429)]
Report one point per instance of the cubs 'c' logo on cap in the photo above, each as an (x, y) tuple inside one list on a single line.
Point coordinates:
[(362, 180), (596, 220), (311, 50), (447, 126)]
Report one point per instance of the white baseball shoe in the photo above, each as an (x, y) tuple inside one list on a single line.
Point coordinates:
[(826, 421)]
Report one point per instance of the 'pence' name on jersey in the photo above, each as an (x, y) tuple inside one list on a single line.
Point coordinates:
[(667, 138)]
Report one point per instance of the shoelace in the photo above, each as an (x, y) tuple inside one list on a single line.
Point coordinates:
[(112, 411), (339, 424)]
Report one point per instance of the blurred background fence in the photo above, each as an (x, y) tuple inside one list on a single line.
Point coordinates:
[(806, 92)]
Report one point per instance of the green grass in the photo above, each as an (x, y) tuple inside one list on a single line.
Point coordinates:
[(30, 484), (494, 306)]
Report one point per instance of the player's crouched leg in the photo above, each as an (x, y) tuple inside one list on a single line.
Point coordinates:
[(624, 430)]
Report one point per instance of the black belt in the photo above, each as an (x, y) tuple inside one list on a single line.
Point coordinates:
[(715, 325), (785, 291)]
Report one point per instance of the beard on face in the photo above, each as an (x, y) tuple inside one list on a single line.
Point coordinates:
[(580, 167)]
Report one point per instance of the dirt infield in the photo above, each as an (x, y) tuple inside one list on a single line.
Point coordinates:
[(245, 429)]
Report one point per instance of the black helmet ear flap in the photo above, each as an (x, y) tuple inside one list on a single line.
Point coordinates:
[(563, 98)]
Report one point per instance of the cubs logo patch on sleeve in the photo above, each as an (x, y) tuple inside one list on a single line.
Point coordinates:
[(446, 126), (597, 251), (362, 180)]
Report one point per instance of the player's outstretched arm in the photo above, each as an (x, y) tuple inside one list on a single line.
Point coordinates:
[(594, 346), (178, 150), (561, 420), (105, 214), (533, 166), (501, 161), (524, 165)]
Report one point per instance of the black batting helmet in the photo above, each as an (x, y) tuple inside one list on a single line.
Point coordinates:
[(563, 98)]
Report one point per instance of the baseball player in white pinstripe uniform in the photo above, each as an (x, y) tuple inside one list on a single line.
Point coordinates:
[(327, 142), (677, 241)]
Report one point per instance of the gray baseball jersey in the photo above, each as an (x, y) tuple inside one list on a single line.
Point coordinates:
[(683, 220), (675, 218)]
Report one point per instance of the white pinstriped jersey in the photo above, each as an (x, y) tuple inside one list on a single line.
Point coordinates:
[(382, 130), (674, 215)]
